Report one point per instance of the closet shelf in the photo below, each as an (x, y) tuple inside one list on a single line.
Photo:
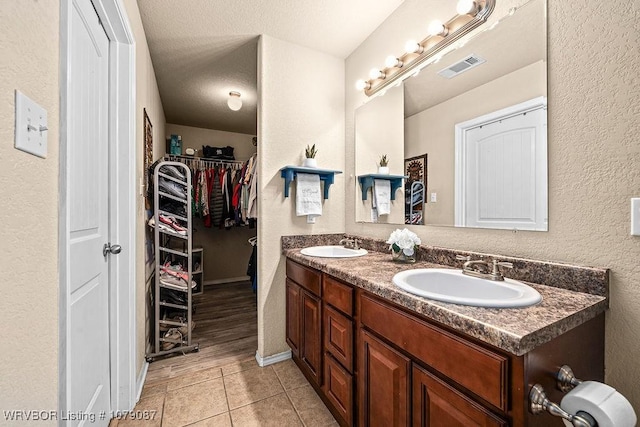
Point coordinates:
[(289, 174), (173, 287), (172, 251), (171, 178), (172, 305), (169, 196), (171, 323), (366, 182)]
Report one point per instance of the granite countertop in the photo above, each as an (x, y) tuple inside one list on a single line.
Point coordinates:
[(517, 330)]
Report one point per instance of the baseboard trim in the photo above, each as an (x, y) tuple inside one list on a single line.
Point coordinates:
[(275, 358), (228, 280), (141, 379)]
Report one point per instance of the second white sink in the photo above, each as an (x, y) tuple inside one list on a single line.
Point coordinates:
[(452, 286), (333, 252)]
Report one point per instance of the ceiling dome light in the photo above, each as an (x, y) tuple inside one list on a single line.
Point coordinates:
[(393, 62), (376, 74), (413, 46), (234, 102), (467, 7), (437, 28), (363, 85)]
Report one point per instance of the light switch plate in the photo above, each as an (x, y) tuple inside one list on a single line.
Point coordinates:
[(635, 217), (31, 126), (434, 197)]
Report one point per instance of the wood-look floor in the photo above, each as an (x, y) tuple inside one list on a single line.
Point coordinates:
[(226, 331)]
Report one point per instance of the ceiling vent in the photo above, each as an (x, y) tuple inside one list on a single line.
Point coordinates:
[(460, 67)]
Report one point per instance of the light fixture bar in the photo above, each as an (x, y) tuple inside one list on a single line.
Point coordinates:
[(419, 53)]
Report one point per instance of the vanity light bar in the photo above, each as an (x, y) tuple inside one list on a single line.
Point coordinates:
[(471, 14)]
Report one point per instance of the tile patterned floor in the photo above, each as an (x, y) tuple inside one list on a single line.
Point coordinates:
[(240, 394)]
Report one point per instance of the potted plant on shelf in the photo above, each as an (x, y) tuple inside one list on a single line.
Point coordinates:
[(383, 169), (310, 157)]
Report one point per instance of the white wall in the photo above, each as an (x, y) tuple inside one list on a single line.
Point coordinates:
[(301, 103), (594, 158), (147, 97), (29, 36)]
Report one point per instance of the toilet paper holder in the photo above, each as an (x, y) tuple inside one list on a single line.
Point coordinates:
[(565, 381)]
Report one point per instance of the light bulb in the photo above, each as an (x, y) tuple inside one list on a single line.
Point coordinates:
[(467, 7), (413, 46), (376, 74), (234, 102), (392, 61), (362, 85), (437, 28)]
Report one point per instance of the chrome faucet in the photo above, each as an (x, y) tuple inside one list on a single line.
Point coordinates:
[(490, 271), (350, 243)]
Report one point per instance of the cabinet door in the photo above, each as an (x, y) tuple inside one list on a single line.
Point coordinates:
[(293, 317), (338, 388), (436, 404), (311, 346), (383, 380), (338, 337)]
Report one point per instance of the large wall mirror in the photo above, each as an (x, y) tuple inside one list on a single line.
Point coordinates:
[(473, 132)]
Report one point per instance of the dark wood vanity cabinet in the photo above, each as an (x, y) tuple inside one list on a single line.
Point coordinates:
[(375, 363), (304, 319)]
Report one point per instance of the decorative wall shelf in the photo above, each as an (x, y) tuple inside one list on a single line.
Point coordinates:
[(366, 182), (289, 174)]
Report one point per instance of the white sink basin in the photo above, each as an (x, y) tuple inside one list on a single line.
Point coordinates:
[(332, 252), (452, 286)]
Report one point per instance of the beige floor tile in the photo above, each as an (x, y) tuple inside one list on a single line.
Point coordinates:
[(194, 378), (147, 413), (222, 420), (157, 375), (275, 411), (240, 366), (251, 386), (289, 374), (152, 390), (194, 403), (310, 407)]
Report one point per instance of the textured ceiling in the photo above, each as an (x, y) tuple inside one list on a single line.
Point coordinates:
[(202, 49), (516, 42)]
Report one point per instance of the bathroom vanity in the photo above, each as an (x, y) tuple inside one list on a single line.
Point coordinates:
[(379, 356)]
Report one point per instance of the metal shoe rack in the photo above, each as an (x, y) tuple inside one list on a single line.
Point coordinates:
[(172, 244)]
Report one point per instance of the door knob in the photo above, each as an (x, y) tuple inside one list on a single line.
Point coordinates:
[(108, 248)]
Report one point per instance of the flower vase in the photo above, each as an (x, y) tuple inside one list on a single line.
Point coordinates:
[(400, 256)]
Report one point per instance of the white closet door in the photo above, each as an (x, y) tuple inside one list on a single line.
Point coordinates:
[(505, 172), (88, 360)]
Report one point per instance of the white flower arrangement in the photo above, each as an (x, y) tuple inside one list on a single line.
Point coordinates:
[(403, 240)]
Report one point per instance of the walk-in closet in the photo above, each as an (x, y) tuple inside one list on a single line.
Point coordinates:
[(210, 240)]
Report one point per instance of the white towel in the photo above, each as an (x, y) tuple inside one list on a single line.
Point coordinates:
[(308, 195), (382, 196)]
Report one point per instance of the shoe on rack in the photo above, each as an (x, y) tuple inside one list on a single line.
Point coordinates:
[(175, 282), (173, 223), (161, 226), (172, 334), (172, 188), (175, 208), (173, 297), (179, 319), (173, 171)]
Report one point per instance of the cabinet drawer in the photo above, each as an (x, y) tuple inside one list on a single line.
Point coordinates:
[(338, 337), (437, 404), (475, 368), (304, 276), (338, 388), (338, 295)]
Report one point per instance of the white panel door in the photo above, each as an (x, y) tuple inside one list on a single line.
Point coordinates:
[(88, 361), (505, 173)]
